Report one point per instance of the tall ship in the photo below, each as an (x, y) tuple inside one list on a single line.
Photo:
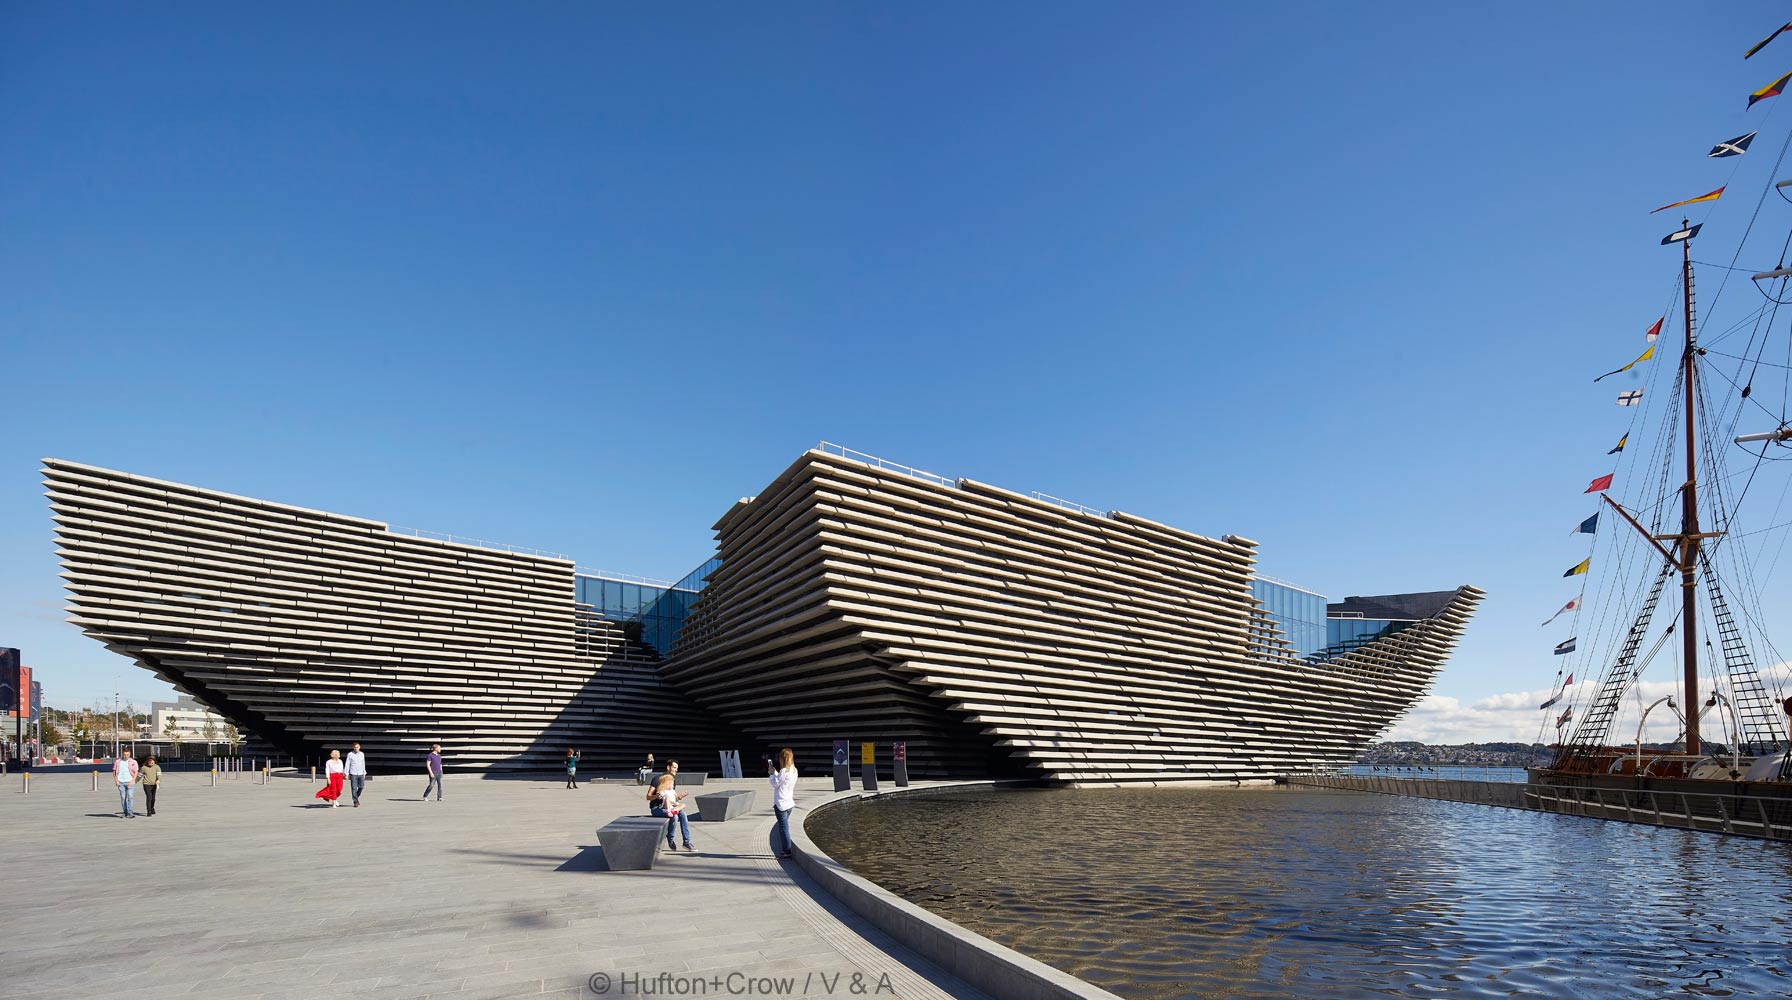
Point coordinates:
[(1682, 552)]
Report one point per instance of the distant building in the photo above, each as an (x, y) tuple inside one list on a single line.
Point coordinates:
[(189, 717)]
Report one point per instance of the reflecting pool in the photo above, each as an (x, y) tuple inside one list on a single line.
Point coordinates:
[(1290, 892)]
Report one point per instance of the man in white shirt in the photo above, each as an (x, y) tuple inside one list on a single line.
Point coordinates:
[(356, 768), (124, 771)]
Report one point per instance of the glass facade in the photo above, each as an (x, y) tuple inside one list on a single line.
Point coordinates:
[(658, 611), (1345, 634), (1300, 614)]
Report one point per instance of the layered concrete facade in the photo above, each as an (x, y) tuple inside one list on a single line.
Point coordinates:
[(995, 634), (314, 630), (998, 632)]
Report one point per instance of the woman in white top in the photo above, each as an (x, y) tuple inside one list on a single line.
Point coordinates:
[(332, 789), (784, 795)]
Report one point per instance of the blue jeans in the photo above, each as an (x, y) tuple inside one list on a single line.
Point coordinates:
[(435, 782), (784, 826), (124, 797), (355, 782), (684, 825)]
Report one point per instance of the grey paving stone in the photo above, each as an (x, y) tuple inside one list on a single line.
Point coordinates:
[(234, 893)]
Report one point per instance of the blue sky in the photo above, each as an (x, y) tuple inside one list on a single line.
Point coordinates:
[(576, 276)]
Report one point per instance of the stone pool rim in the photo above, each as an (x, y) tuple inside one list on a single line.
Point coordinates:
[(993, 968)]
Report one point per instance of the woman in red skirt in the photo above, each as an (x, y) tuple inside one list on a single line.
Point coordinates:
[(332, 789)]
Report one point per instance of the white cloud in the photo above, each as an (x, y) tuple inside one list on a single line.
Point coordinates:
[(1515, 718)]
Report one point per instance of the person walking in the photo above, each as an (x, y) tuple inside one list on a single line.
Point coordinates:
[(332, 789), (432, 766), (124, 771), (784, 795), (355, 766), (668, 802), (572, 768), (149, 776)]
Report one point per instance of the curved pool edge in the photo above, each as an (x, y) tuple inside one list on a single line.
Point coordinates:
[(993, 968)]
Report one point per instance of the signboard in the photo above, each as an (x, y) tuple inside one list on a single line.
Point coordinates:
[(867, 753), (13, 697), (9, 678), (902, 751), (25, 686), (37, 701), (842, 776), (730, 763)]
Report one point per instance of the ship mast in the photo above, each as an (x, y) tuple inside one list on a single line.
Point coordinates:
[(1689, 537)]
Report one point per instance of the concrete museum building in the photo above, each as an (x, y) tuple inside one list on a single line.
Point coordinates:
[(996, 633)]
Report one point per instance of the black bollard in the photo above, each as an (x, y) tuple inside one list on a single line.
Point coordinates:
[(901, 752), (842, 776), (868, 765)]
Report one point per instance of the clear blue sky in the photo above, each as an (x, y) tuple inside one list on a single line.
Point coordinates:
[(576, 276)]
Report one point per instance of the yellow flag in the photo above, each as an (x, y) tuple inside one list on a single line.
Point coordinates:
[(1580, 568), (1646, 355)]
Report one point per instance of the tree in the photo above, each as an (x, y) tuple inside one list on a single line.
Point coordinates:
[(172, 731), (210, 730), (52, 735), (80, 730), (231, 734)]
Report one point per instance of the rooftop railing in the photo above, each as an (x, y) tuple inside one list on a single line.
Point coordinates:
[(1066, 504), (830, 448), (604, 574), (478, 543)]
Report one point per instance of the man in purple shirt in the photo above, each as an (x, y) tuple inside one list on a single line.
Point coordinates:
[(432, 765)]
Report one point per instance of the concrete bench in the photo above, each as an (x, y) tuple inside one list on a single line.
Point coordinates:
[(720, 807), (631, 842)]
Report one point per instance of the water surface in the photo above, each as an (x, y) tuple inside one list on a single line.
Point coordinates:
[(1289, 892)]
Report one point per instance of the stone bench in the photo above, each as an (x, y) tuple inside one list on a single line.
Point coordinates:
[(720, 807), (632, 842)]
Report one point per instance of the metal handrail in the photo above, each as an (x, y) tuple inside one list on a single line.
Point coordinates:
[(478, 543), (830, 448), (604, 574), (1278, 581), (1066, 504)]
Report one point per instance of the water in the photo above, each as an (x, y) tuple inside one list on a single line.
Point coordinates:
[(1288, 892)]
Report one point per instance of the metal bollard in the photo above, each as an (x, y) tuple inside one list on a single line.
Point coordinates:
[(27, 782), (314, 774), (214, 777), (96, 781)]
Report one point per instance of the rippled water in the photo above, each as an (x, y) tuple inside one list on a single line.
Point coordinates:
[(1287, 892)]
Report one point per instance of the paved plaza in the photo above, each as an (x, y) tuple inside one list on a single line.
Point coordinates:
[(500, 890)]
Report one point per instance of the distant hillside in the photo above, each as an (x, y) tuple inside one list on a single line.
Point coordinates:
[(1482, 754), (1472, 754)]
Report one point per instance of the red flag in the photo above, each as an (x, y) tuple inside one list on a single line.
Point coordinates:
[(1655, 331), (1569, 681), (1774, 89), (1601, 484)]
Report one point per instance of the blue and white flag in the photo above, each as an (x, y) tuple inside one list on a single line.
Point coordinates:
[(1630, 397), (1587, 527), (1566, 646)]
